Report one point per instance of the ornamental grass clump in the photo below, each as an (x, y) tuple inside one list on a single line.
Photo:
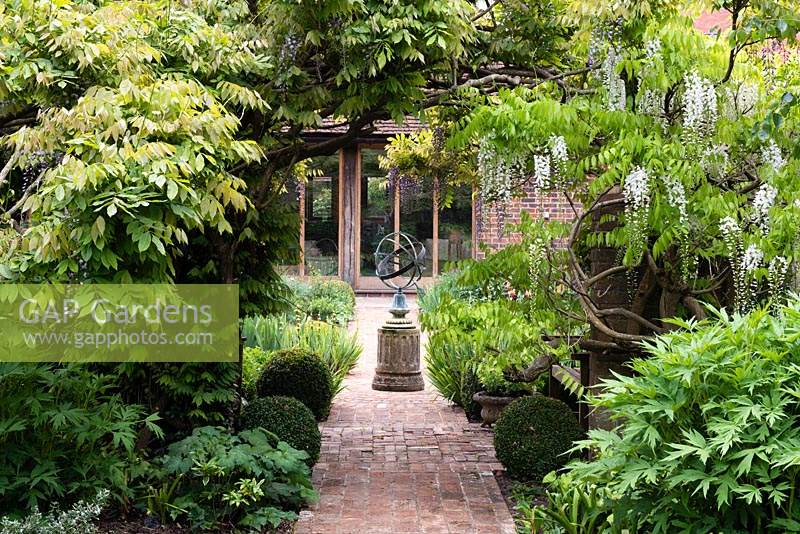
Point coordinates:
[(709, 430), (533, 435), (300, 374), (337, 347)]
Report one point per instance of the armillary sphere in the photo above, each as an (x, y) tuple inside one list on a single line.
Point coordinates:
[(399, 260), (399, 263)]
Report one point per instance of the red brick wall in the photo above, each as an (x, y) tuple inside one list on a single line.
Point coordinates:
[(494, 229)]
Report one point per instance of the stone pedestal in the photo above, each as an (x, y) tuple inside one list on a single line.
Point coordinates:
[(398, 357)]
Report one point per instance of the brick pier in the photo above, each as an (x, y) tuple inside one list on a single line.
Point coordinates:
[(401, 462)]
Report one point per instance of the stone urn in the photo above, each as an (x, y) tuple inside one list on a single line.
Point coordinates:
[(492, 405)]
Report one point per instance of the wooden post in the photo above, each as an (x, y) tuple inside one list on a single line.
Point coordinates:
[(435, 251), (611, 292), (349, 220), (474, 224), (301, 202)]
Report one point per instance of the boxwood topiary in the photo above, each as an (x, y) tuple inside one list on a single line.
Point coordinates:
[(287, 418), (532, 435), (300, 374)]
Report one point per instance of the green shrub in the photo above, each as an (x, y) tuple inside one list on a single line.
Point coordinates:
[(65, 436), (300, 374), (338, 348), (338, 291), (214, 478), (470, 385), (332, 301), (709, 429), (327, 310), (299, 289), (494, 335), (79, 519), (287, 418), (253, 360), (532, 435), (186, 395)]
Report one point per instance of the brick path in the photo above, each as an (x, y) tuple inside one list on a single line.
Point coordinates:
[(401, 462)]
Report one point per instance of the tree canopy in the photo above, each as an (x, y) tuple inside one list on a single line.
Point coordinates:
[(151, 140), (677, 149)]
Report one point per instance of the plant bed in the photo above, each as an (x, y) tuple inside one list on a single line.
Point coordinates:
[(521, 499), (137, 525)]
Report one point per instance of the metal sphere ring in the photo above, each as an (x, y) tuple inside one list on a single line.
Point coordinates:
[(399, 260)]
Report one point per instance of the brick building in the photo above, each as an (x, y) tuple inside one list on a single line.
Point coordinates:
[(349, 204), (495, 230)]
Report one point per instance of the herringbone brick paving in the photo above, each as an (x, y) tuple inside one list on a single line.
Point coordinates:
[(401, 462)]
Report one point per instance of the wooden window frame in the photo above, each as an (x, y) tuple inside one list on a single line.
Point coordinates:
[(359, 281), (302, 211)]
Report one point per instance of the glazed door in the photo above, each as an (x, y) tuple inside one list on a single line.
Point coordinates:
[(383, 209), (377, 216)]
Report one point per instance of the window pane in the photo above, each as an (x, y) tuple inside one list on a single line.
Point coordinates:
[(322, 217), (377, 208), (455, 228), (416, 217), (290, 265)]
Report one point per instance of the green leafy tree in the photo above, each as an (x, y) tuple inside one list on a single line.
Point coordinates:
[(167, 131), (153, 141), (676, 149)]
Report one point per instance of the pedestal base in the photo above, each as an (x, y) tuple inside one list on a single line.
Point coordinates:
[(398, 359)]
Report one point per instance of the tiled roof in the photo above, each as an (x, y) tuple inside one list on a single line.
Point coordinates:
[(715, 19), (385, 128)]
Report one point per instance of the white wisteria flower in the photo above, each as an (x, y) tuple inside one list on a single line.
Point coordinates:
[(743, 263), (652, 48), (558, 150), (752, 258), (676, 196), (772, 156), (499, 173), (637, 189), (650, 103), (536, 254), (729, 226), (700, 105), (762, 202), (614, 85), (541, 171), (778, 269)]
